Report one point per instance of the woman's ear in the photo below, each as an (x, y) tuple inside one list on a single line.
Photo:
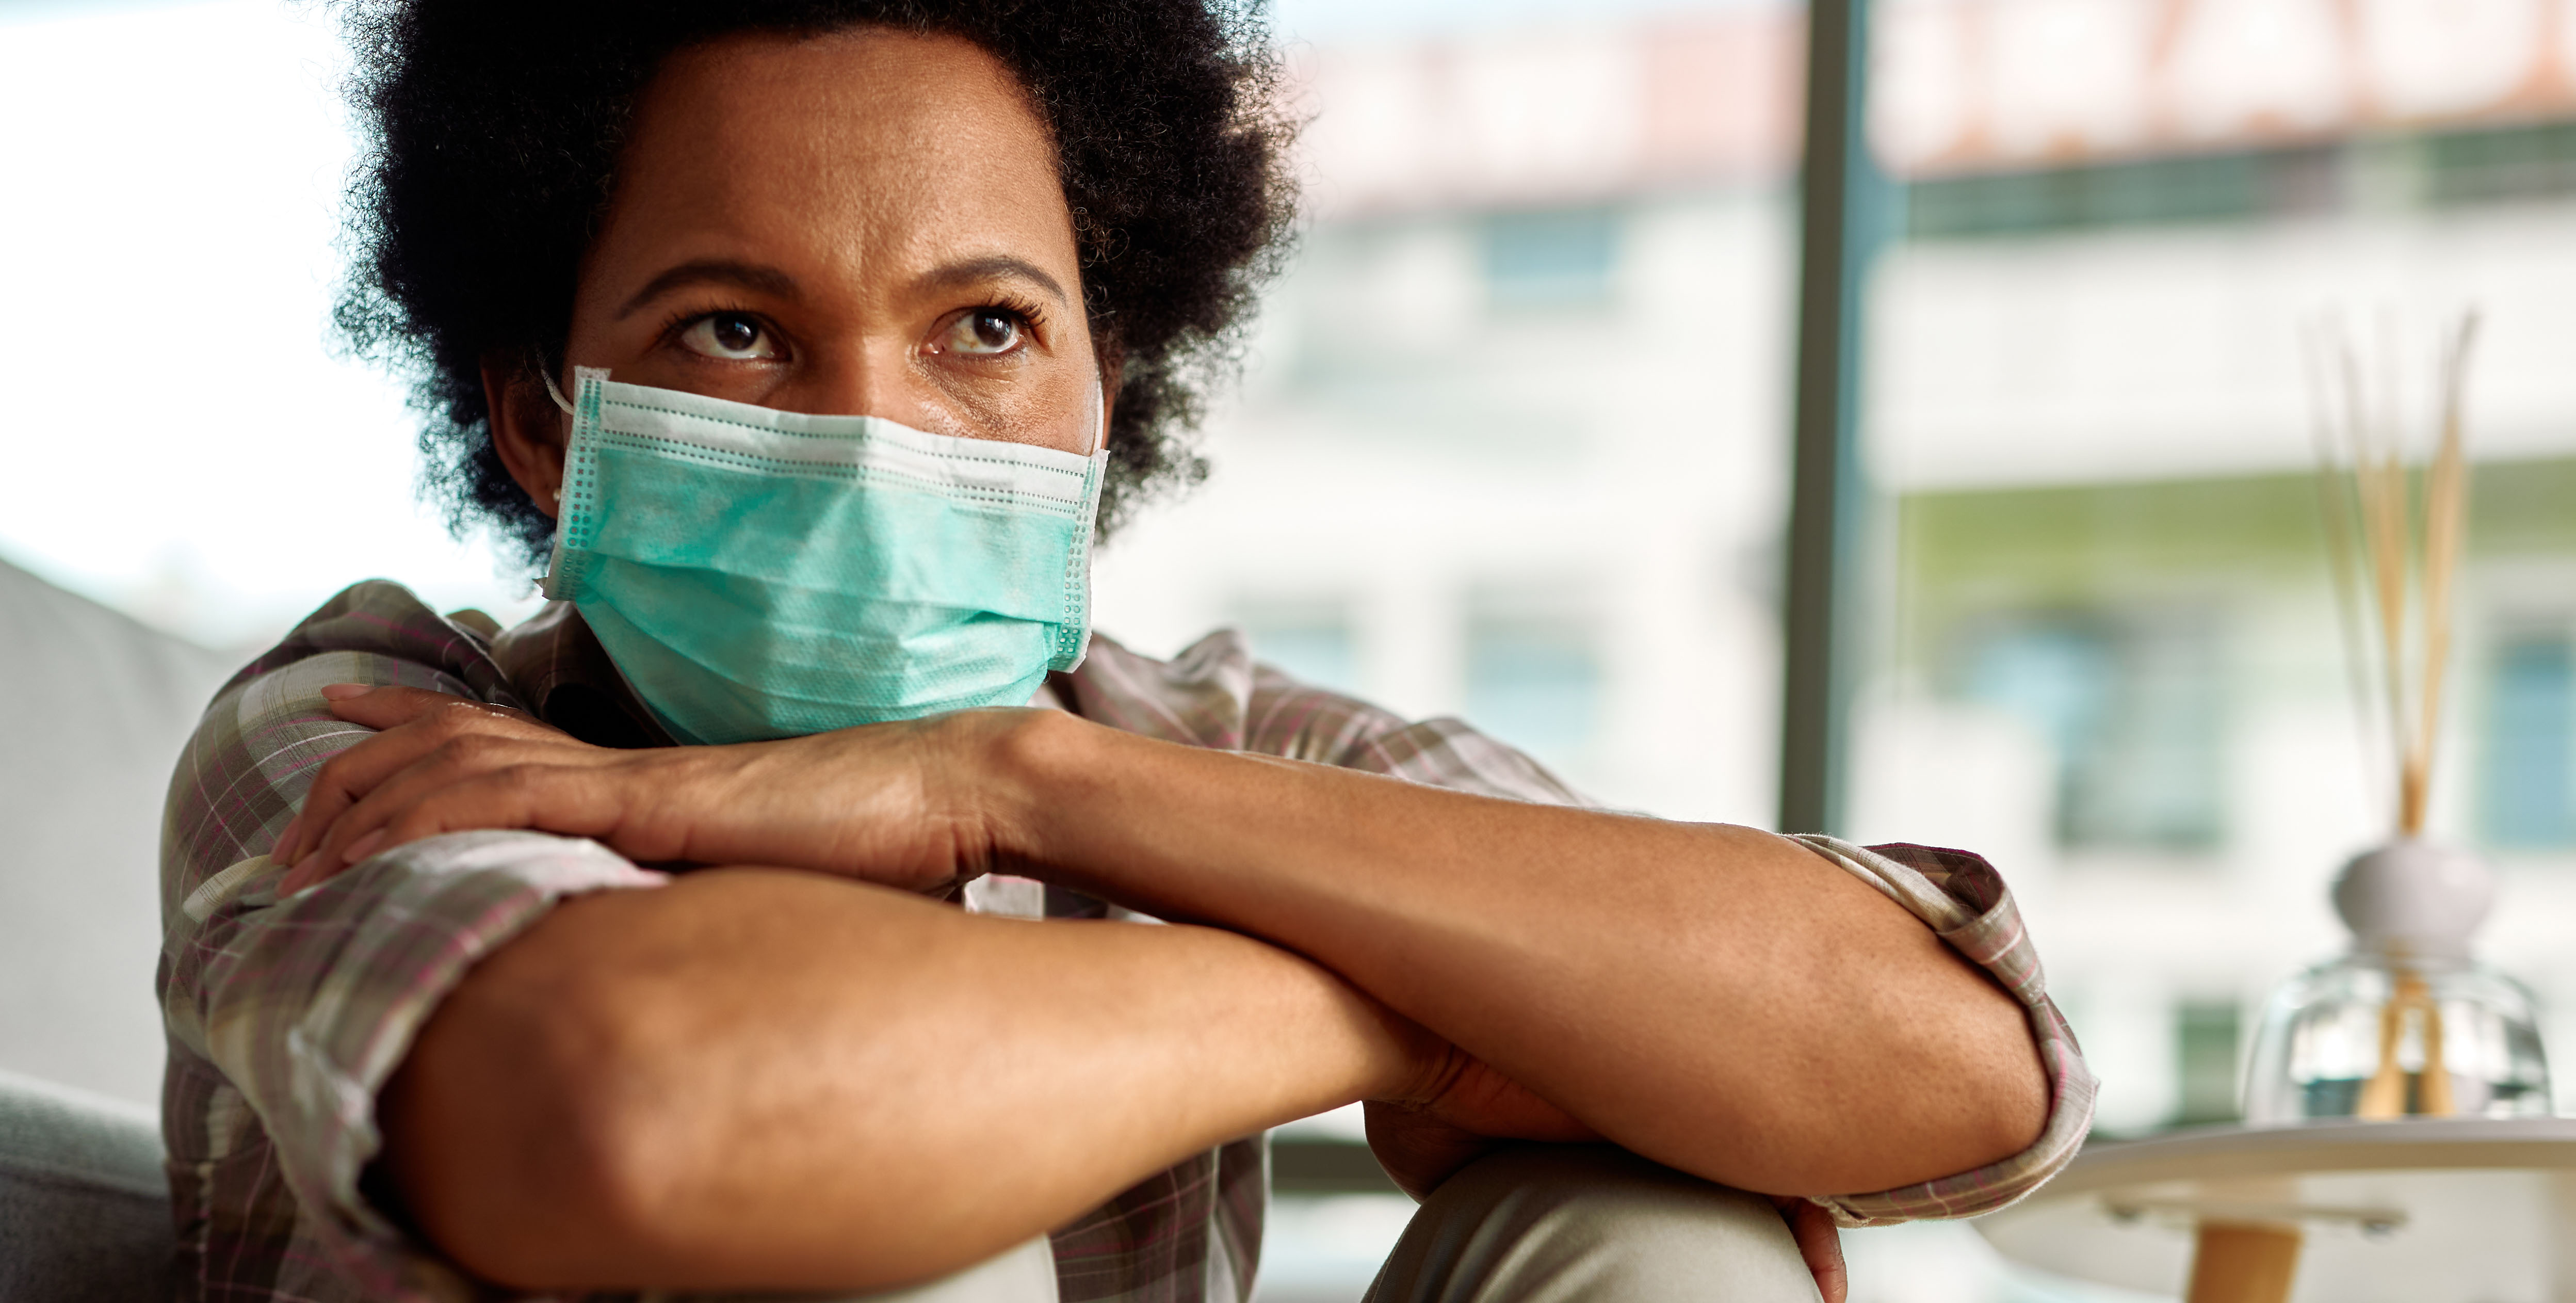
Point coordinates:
[(527, 428)]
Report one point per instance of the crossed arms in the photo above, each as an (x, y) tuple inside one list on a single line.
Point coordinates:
[(807, 1075)]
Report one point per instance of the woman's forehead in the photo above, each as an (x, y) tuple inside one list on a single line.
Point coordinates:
[(865, 147)]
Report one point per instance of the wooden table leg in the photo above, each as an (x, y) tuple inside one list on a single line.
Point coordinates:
[(2243, 1263)]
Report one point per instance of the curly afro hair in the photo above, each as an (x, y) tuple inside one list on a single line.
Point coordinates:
[(497, 125)]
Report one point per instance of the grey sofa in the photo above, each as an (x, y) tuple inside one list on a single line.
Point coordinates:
[(84, 1211), (84, 1207)]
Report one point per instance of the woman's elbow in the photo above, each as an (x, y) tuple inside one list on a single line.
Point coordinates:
[(1991, 1098), (1955, 1085), (2013, 1089), (523, 1141)]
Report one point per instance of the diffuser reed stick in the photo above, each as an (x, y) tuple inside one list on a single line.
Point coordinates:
[(2326, 382), (2445, 521), (2389, 558)]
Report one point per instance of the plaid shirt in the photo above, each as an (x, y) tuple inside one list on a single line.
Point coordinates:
[(286, 1016)]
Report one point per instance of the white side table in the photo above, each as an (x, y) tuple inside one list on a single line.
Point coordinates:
[(2449, 1210)]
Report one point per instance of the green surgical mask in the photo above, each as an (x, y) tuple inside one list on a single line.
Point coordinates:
[(762, 574)]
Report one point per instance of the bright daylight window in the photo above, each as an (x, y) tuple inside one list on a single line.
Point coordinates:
[(1509, 442), (2527, 762), (2102, 645), (1541, 260)]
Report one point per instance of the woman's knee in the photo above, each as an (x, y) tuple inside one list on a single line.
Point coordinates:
[(1590, 1224)]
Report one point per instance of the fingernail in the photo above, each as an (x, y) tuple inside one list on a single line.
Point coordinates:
[(363, 847), (344, 691), (299, 877)]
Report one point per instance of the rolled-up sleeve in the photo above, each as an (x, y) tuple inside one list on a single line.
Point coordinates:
[(1213, 695), (287, 1016), (310, 1003), (1961, 897)]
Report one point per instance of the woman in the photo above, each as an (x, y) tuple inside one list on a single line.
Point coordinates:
[(808, 340)]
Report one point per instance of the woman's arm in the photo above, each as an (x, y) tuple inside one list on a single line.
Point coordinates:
[(1713, 997), (762, 1079), (1716, 998)]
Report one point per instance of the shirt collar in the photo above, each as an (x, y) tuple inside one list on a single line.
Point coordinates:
[(558, 667)]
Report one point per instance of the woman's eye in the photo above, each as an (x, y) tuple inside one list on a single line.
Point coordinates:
[(731, 336), (984, 332)]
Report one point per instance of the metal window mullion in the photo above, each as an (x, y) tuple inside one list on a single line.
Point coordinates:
[(1843, 197)]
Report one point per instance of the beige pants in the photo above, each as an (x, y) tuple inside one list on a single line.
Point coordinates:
[(1530, 1224)]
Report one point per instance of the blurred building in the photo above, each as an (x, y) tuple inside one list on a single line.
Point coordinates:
[(1508, 446), (2107, 643), (1511, 446)]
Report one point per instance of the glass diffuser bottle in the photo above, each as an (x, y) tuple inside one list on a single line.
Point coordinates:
[(2407, 1024)]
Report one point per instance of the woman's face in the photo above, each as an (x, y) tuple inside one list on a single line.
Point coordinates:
[(865, 223)]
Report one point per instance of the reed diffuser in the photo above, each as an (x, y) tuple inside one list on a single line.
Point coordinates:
[(2407, 1024), (2393, 565)]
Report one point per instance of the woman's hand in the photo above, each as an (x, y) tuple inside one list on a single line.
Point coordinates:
[(1456, 1109), (1820, 1244), (1459, 1108), (886, 804)]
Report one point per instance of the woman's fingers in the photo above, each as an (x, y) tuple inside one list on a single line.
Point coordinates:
[(578, 800), (392, 706), (1418, 1150), (504, 798), (569, 800), (840, 803), (377, 707), (1820, 1244), (315, 868), (410, 723), (364, 798), (346, 777), (1468, 1092)]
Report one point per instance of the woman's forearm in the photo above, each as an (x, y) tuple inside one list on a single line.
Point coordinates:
[(754, 1079), (1713, 997)]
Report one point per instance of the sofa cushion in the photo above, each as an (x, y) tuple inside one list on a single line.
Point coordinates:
[(84, 1205)]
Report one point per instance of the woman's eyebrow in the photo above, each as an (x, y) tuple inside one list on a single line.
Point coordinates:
[(992, 267), (749, 275)]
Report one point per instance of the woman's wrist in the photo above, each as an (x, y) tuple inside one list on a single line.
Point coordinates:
[(1015, 774), (1037, 782)]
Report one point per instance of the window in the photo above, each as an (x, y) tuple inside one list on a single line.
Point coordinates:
[(2435, 170), (2087, 435), (1310, 641), (202, 176), (1550, 260), (1533, 495), (2129, 708), (1533, 679), (2219, 187), (2527, 769), (2523, 162), (2205, 1049), (1534, 673)]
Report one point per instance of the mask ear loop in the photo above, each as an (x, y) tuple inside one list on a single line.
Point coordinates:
[(1099, 419), (557, 395)]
